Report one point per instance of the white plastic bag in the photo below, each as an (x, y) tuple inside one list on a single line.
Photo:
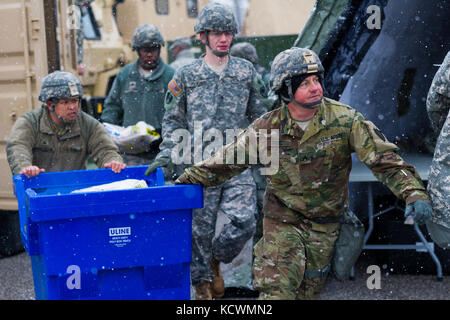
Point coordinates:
[(117, 185), (132, 139)]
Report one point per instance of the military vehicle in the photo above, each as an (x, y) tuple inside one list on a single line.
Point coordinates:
[(104, 48), (37, 37)]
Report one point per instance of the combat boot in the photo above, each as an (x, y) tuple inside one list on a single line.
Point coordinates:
[(203, 291), (218, 284)]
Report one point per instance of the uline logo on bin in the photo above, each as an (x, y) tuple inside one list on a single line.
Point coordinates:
[(124, 231), (119, 237)]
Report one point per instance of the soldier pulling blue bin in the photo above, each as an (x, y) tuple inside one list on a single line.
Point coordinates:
[(121, 244)]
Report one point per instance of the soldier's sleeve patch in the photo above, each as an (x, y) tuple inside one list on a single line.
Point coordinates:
[(174, 88), (169, 101)]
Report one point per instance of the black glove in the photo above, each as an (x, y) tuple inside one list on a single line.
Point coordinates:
[(165, 164), (421, 211)]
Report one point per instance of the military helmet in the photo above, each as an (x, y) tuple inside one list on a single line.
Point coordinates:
[(60, 84), (216, 17), (182, 42), (293, 62), (245, 50), (146, 35)]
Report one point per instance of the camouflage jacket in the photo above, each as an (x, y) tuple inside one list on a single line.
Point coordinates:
[(314, 165), (438, 99), (33, 141), (200, 98), (438, 107), (133, 98)]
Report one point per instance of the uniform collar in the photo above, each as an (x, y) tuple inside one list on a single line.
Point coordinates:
[(156, 74), (49, 127), (289, 127)]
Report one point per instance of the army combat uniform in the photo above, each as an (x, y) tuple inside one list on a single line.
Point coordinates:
[(438, 107), (184, 56), (199, 98), (308, 193), (36, 140)]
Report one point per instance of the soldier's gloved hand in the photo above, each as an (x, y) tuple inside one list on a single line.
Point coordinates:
[(165, 164), (182, 179), (420, 210)]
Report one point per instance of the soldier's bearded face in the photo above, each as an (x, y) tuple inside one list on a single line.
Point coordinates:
[(309, 90), (148, 57), (220, 41)]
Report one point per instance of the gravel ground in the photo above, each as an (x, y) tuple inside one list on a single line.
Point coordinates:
[(392, 286), (16, 283)]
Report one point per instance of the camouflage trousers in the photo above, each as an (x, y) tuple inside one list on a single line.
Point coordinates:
[(292, 261), (236, 198)]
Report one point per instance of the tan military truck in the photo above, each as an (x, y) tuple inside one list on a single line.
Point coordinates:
[(104, 50), (36, 38)]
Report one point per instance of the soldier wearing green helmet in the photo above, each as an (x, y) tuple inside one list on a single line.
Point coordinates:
[(216, 92), (59, 136), (306, 199), (181, 50), (247, 51), (137, 93)]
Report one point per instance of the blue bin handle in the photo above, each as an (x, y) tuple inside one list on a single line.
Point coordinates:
[(159, 177)]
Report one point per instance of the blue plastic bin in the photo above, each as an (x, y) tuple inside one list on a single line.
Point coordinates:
[(124, 244)]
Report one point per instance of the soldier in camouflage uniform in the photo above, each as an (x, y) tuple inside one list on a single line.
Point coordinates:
[(58, 136), (181, 52), (308, 193), (438, 106), (247, 51), (216, 92), (137, 93)]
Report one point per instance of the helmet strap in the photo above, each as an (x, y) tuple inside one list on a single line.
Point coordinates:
[(310, 105), (52, 110)]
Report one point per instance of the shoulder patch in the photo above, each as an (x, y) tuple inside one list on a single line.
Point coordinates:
[(174, 88)]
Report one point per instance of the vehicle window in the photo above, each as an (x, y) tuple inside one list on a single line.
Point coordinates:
[(162, 7), (90, 26)]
